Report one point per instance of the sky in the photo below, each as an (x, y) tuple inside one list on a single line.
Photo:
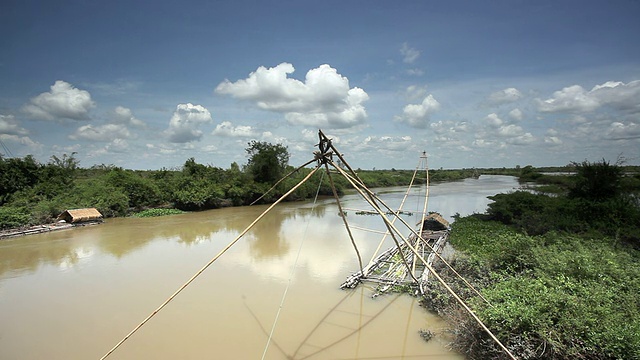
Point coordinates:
[(149, 84)]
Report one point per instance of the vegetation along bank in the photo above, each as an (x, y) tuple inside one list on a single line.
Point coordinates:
[(561, 271), (32, 193)]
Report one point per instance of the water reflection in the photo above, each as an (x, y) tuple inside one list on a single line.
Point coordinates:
[(268, 239)]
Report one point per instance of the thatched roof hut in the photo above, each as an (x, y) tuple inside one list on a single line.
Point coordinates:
[(435, 222), (80, 215)]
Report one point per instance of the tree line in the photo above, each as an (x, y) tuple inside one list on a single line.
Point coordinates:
[(34, 193)]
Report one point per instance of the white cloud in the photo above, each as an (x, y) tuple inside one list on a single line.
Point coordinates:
[(449, 127), (493, 120), (123, 115), (63, 102), (510, 131), (226, 128), (388, 143), (418, 115), (619, 95), (415, 72), (569, 99), (487, 143), (414, 92), (620, 131), (324, 99), (409, 54), (505, 96), (523, 139), (102, 133), (9, 126), (552, 140), (516, 114), (184, 124), (575, 98)]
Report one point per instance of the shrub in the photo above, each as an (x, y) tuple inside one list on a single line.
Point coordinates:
[(13, 217)]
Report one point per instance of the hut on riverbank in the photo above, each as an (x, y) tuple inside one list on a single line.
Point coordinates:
[(77, 216)]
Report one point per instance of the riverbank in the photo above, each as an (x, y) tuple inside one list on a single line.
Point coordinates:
[(39, 229)]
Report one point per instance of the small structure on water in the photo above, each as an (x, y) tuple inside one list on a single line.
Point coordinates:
[(77, 216), (435, 222)]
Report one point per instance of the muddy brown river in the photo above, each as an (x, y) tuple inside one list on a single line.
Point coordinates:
[(74, 294)]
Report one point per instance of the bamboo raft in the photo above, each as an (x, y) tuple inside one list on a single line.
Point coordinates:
[(399, 265)]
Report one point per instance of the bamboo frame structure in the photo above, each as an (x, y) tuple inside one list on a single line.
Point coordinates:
[(405, 248)]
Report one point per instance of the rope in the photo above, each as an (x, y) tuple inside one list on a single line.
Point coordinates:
[(293, 269), (208, 264)]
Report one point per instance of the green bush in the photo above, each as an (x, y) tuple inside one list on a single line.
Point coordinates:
[(13, 217), (554, 296), (157, 212)]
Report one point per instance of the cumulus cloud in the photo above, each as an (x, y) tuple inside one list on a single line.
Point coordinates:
[(9, 126), (414, 92), (569, 99), (551, 137), (63, 102), (493, 120), (123, 115), (184, 124), (449, 127), (409, 54), (621, 96), (620, 131), (510, 131), (324, 99), (523, 139), (575, 98), (388, 143), (505, 96), (516, 114), (102, 133), (552, 140), (418, 115), (226, 128), (499, 134)]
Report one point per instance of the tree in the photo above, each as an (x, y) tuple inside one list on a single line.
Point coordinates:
[(597, 180), (267, 162)]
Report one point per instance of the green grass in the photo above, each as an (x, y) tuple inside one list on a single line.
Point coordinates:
[(561, 295)]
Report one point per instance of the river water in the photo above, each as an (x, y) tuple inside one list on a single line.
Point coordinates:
[(74, 294)]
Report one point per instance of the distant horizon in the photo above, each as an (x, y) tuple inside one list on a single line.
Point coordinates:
[(475, 84), (178, 167)]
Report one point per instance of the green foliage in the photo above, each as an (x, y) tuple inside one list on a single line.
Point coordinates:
[(17, 174), (529, 173), (140, 191), (267, 162), (157, 212), (108, 199), (537, 214), (13, 217), (557, 292), (597, 180)]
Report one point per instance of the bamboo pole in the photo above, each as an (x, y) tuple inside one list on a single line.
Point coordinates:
[(440, 279), (208, 264)]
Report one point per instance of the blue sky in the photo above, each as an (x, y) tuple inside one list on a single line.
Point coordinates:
[(149, 84)]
